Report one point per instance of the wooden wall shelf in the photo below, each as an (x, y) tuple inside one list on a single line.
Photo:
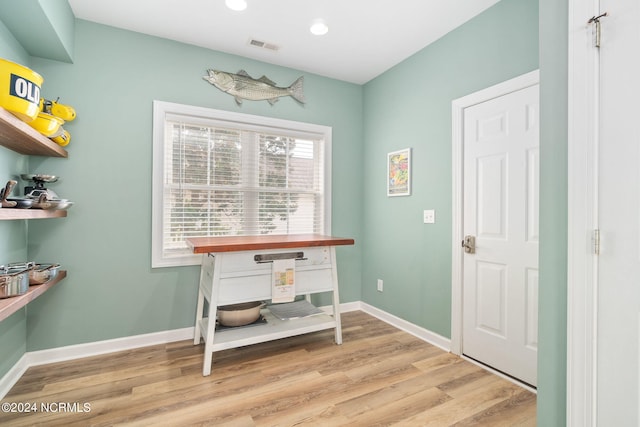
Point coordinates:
[(8, 306), (12, 213), (18, 136)]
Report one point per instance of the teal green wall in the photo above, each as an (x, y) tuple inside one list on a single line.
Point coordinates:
[(552, 326), (44, 28), (111, 290), (13, 245), (105, 242), (410, 106), (10, 48), (60, 22)]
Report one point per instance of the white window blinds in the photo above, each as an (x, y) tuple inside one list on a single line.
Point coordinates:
[(224, 176)]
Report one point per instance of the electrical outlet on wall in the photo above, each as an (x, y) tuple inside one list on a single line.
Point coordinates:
[(429, 216), (380, 285)]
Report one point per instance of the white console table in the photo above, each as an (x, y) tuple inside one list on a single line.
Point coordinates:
[(234, 271)]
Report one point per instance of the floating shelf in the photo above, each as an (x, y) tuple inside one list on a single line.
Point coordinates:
[(8, 306), (18, 136), (12, 213)]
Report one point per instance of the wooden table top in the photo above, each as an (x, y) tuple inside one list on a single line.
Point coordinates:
[(203, 245)]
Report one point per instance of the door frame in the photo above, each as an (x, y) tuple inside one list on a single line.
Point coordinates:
[(582, 204), (457, 136)]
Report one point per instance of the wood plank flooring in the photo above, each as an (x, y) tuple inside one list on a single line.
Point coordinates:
[(379, 376)]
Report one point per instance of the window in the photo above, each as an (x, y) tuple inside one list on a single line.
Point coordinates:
[(217, 173)]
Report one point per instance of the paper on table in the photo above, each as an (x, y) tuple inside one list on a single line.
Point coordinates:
[(283, 287)]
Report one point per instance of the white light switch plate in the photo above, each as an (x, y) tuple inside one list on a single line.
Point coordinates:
[(429, 216)]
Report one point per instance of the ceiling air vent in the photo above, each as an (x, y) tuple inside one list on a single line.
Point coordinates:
[(264, 45)]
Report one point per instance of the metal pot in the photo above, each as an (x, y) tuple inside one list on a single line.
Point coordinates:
[(21, 203), (239, 314), (46, 124), (25, 107), (60, 204), (42, 273), (38, 273), (13, 282)]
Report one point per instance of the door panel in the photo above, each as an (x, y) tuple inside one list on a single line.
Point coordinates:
[(492, 127), (531, 289), (500, 284), (490, 298), (533, 194), (491, 201)]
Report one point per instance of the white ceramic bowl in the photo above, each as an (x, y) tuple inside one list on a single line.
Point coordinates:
[(239, 314)]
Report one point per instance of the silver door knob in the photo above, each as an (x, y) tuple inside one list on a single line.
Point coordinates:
[(469, 244)]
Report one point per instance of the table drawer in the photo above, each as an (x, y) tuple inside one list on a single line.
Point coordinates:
[(244, 261), (258, 287)]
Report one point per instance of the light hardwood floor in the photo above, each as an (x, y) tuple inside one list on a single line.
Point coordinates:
[(379, 376)]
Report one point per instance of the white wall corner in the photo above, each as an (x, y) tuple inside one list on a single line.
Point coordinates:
[(411, 328), (14, 374)]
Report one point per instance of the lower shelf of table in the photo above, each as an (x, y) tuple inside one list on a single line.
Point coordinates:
[(274, 329)]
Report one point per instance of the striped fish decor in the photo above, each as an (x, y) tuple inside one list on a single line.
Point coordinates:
[(242, 86)]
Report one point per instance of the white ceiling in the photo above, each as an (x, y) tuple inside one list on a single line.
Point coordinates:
[(366, 37)]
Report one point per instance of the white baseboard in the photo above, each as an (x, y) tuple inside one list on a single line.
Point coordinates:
[(14, 374), (415, 330), (344, 307), (78, 351)]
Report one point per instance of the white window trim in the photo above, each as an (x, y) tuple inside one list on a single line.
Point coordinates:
[(161, 109)]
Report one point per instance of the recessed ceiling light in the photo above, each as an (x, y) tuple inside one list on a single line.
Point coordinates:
[(238, 5), (319, 27)]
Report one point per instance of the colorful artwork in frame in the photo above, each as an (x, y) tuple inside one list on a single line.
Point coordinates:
[(399, 173)]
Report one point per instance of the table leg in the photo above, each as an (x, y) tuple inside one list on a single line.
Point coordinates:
[(199, 307), (336, 296), (211, 317)]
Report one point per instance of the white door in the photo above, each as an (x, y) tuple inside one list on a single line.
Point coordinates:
[(618, 306), (500, 202)]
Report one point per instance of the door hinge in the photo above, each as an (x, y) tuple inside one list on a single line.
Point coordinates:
[(597, 29), (596, 242)]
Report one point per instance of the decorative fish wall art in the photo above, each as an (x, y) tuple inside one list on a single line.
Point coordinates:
[(243, 86)]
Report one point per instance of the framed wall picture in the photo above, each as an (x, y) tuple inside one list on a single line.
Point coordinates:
[(399, 173)]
